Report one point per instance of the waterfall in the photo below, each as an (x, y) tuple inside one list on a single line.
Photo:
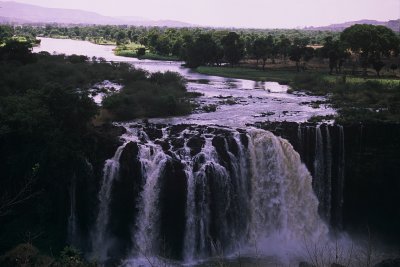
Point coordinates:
[(328, 175), (72, 219), (242, 188), (341, 174), (284, 207), (153, 161), (319, 166), (99, 237)]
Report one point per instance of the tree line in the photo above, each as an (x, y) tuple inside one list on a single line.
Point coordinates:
[(205, 46)]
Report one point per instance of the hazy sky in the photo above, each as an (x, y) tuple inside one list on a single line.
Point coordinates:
[(240, 13)]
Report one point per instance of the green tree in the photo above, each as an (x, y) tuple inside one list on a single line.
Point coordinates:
[(233, 48), (370, 41), (6, 32), (263, 49), (284, 47)]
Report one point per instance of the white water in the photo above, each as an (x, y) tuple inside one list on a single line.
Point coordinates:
[(72, 219), (266, 193), (153, 161), (284, 207), (100, 240)]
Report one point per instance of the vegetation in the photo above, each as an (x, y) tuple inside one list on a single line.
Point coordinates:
[(26, 255), (162, 94), (47, 134), (359, 45)]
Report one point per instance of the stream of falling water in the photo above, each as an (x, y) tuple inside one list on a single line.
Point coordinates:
[(244, 190)]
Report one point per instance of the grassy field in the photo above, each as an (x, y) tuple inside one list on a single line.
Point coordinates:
[(281, 76)]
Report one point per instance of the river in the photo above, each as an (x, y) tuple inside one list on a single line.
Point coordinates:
[(249, 101)]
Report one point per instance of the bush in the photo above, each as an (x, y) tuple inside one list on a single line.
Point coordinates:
[(160, 95), (24, 255)]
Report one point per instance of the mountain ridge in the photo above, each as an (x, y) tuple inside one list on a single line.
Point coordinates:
[(392, 24), (12, 12), (15, 12)]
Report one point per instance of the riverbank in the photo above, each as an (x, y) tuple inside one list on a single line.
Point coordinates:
[(130, 50), (148, 55)]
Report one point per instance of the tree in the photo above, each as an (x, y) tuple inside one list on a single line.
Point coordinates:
[(335, 52), (140, 51), (17, 51), (370, 41), (202, 51), (295, 55), (120, 37), (393, 67), (284, 47), (233, 48), (377, 65), (6, 32), (260, 49), (162, 45)]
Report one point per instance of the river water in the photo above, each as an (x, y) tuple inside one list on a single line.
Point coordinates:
[(249, 101)]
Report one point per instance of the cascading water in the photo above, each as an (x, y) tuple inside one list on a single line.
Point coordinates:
[(99, 242), (72, 219), (323, 170), (153, 161), (341, 174), (284, 207), (242, 188)]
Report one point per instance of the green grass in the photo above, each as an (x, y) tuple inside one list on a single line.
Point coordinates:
[(281, 76), (101, 41), (129, 50)]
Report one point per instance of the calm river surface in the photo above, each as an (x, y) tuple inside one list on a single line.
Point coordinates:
[(253, 101)]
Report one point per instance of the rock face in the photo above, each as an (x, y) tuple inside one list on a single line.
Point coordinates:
[(389, 263), (124, 195)]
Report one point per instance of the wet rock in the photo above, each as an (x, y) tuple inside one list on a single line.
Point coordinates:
[(164, 144), (306, 264), (124, 195), (389, 263), (176, 130), (153, 132), (233, 146), (195, 143), (173, 207), (177, 142), (244, 139), (220, 145)]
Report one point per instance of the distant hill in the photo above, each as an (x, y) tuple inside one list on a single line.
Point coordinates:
[(13, 12), (392, 24)]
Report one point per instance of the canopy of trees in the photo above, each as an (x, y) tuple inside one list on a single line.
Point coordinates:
[(371, 43)]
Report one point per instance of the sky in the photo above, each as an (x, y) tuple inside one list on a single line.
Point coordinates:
[(240, 13)]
